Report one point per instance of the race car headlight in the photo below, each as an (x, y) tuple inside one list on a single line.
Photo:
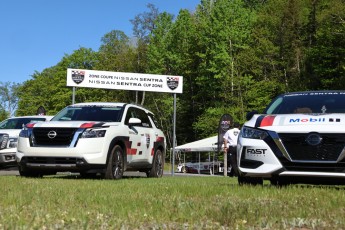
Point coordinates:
[(252, 133), (92, 133)]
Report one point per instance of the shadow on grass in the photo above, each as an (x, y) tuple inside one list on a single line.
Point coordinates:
[(77, 176)]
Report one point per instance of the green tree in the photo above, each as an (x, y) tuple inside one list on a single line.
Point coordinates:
[(181, 59), (8, 98), (234, 56), (326, 53), (224, 34), (3, 114), (162, 105), (116, 54), (48, 88), (143, 25)]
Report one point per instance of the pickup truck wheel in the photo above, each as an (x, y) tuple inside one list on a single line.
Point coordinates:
[(115, 164), (158, 165), (26, 173)]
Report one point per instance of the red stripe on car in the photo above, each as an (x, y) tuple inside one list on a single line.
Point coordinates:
[(131, 151), (159, 139), (267, 121)]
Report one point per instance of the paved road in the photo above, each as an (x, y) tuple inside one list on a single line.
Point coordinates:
[(9, 172)]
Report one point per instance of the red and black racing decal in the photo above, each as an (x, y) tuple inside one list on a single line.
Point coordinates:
[(159, 142), (129, 148), (264, 120)]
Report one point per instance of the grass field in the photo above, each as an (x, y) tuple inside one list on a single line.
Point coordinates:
[(179, 202)]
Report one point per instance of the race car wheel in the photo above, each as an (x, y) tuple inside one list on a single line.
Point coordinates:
[(157, 166), (249, 180), (115, 164)]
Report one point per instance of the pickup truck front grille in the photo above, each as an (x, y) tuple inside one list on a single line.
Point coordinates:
[(53, 136), (52, 160)]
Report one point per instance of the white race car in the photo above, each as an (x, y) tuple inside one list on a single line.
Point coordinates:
[(300, 138)]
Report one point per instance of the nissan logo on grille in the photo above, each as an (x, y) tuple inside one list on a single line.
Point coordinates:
[(313, 139), (52, 134)]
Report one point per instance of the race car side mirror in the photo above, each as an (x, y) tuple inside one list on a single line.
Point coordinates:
[(251, 114)]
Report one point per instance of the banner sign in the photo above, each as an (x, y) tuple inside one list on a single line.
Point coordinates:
[(124, 81), (224, 125)]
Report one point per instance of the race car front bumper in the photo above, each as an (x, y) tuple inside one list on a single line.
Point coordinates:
[(288, 155)]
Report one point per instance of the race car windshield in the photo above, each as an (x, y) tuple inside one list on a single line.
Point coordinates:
[(306, 103), (90, 113)]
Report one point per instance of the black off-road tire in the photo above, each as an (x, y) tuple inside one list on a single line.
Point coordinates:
[(27, 173), (157, 166), (115, 165)]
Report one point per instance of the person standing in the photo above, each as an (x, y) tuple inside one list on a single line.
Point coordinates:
[(230, 145)]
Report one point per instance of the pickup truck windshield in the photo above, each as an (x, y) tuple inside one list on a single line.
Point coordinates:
[(90, 113)]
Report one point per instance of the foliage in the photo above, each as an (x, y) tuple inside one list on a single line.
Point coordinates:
[(3, 115), (326, 54), (234, 56), (54, 96), (210, 118), (143, 26), (8, 99)]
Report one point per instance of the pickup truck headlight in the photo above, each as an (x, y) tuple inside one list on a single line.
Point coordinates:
[(13, 143), (253, 133), (3, 141), (25, 133), (92, 133)]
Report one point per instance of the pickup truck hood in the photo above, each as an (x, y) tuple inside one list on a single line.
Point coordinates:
[(70, 124), (329, 123), (11, 132)]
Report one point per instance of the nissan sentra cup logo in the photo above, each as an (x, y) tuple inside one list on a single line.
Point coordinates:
[(313, 139), (52, 134), (172, 82), (78, 76)]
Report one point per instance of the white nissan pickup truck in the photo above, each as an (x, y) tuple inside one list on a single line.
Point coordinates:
[(9, 132), (93, 139)]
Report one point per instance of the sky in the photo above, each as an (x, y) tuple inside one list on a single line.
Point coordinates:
[(36, 34)]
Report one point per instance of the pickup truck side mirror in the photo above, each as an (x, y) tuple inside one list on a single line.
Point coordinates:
[(251, 114), (134, 122)]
